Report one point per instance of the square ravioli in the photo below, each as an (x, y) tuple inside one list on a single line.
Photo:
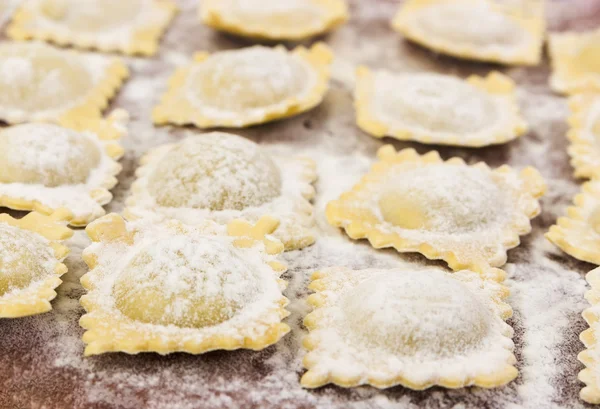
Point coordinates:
[(590, 357), (238, 88), (438, 109), (578, 233), (575, 59), (468, 216), (130, 27), (31, 261), (414, 326), (274, 19), (170, 287), (584, 135), (481, 30), (222, 177), (42, 83), (44, 166)]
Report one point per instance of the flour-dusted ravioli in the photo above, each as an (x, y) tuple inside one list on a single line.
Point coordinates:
[(578, 233), (584, 134), (253, 85), (31, 261), (465, 215), (575, 59), (130, 27), (590, 357), (222, 177), (44, 166), (42, 83), (414, 326), (175, 288), (274, 19), (439, 109), (475, 29)]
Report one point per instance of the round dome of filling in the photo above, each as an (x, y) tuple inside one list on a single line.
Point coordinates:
[(435, 103), (24, 258), (186, 282), (36, 77), (424, 313), (441, 198), (46, 154), (246, 79), (215, 171), (91, 15), (476, 25)]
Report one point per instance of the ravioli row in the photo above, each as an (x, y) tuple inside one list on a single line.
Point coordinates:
[(171, 287)]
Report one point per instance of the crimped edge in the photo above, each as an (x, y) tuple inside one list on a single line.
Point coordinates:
[(35, 299), (305, 208), (533, 186), (335, 14), (314, 380), (109, 129), (530, 55), (495, 84), (575, 220), (174, 108), (144, 38), (591, 392), (583, 149), (111, 229), (560, 45)]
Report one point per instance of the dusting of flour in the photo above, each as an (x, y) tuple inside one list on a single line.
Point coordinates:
[(41, 362)]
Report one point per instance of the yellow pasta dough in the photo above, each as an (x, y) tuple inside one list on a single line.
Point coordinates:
[(584, 135), (222, 177), (168, 287), (465, 215), (274, 19), (575, 61), (589, 357), (413, 325), (31, 261), (44, 166), (439, 109), (42, 83), (130, 27), (239, 88), (578, 233), (475, 29)]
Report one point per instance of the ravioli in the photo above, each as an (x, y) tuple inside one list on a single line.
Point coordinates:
[(480, 30), (413, 326), (44, 166), (468, 216), (42, 83), (238, 88), (438, 109), (575, 59), (130, 27), (274, 19), (31, 258), (584, 135), (589, 357), (221, 176), (168, 287), (578, 233)]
